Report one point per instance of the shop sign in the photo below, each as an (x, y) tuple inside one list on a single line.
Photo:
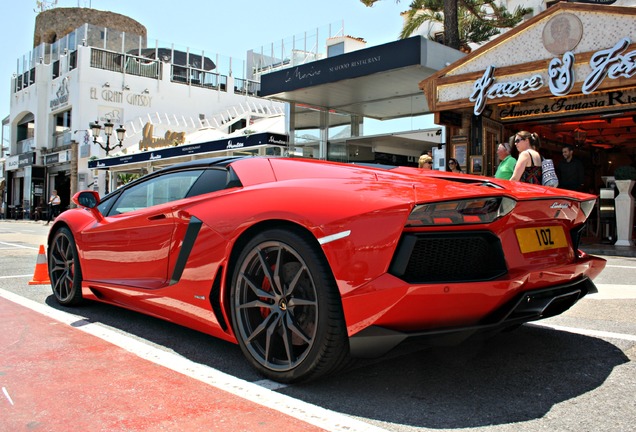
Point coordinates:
[(26, 159), (109, 114), (55, 158), (20, 161), (11, 163), (61, 95), (119, 97), (51, 159), (351, 65), (567, 105), (149, 141), (612, 63), (277, 139)]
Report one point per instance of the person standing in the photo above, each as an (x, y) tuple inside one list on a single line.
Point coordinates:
[(453, 166), (425, 162), (528, 166), (506, 161), (570, 171), (54, 206)]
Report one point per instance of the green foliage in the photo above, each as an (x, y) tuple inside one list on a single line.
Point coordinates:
[(477, 20), (625, 172), (124, 178)]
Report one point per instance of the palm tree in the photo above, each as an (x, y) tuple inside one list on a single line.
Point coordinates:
[(123, 178), (465, 21)]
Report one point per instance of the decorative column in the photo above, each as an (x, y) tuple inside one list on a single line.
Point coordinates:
[(624, 213)]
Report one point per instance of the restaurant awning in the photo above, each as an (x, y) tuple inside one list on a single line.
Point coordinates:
[(200, 149), (379, 82)]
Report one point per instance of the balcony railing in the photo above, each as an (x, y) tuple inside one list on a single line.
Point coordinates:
[(125, 63), (127, 53), (248, 87), (26, 145), (62, 138), (198, 77)]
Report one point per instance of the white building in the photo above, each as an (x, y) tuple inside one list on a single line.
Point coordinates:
[(160, 96)]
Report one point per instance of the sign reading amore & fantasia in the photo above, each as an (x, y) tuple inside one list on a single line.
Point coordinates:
[(612, 63)]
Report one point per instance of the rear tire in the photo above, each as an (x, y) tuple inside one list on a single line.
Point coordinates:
[(286, 308), (64, 269)]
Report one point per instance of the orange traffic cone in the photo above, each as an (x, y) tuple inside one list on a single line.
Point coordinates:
[(41, 274)]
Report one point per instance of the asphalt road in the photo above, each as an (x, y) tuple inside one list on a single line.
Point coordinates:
[(575, 372)]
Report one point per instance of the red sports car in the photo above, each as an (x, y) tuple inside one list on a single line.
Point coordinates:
[(307, 263)]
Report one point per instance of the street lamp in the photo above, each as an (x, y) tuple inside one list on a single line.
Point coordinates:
[(108, 131)]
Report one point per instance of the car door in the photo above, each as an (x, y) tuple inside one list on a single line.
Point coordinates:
[(131, 245)]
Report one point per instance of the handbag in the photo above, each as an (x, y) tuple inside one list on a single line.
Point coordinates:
[(549, 177)]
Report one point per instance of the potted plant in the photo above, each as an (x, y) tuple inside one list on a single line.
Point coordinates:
[(625, 179), (625, 172)]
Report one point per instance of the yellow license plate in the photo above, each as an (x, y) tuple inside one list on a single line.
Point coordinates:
[(541, 238)]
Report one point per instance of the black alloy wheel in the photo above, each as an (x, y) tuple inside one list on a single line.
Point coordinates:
[(286, 309), (64, 269)]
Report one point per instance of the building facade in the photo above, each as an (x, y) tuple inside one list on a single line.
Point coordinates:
[(160, 96), (567, 74)]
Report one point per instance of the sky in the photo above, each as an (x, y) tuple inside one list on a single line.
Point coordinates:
[(227, 28)]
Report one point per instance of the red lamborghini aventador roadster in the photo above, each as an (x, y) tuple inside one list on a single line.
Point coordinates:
[(307, 263)]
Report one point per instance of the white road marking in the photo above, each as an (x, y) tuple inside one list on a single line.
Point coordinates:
[(613, 292), (20, 246), (585, 332), (309, 413), (6, 393), (15, 276)]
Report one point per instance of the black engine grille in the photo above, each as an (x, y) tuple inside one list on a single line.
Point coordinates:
[(448, 257)]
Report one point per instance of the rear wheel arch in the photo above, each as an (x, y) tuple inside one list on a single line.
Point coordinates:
[(327, 349), (251, 232)]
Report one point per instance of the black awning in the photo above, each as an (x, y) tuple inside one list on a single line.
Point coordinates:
[(223, 144)]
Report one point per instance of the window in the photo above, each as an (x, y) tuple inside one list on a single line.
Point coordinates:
[(335, 49), (214, 179), (158, 190)]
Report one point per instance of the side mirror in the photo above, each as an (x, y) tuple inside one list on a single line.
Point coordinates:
[(87, 199)]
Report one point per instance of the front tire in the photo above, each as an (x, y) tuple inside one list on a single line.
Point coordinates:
[(286, 308), (64, 269)]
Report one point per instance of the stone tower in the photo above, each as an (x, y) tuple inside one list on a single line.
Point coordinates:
[(53, 24)]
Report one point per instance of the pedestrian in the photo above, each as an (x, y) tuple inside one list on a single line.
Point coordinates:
[(425, 162), (528, 166), (54, 206), (454, 166), (570, 171), (506, 161)]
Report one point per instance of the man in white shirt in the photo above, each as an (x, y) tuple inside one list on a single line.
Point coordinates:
[(54, 206)]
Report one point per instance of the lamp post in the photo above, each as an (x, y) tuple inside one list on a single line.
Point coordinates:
[(108, 131)]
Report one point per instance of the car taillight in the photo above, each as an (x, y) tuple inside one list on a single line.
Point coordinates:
[(587, 207), (461, 212)]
